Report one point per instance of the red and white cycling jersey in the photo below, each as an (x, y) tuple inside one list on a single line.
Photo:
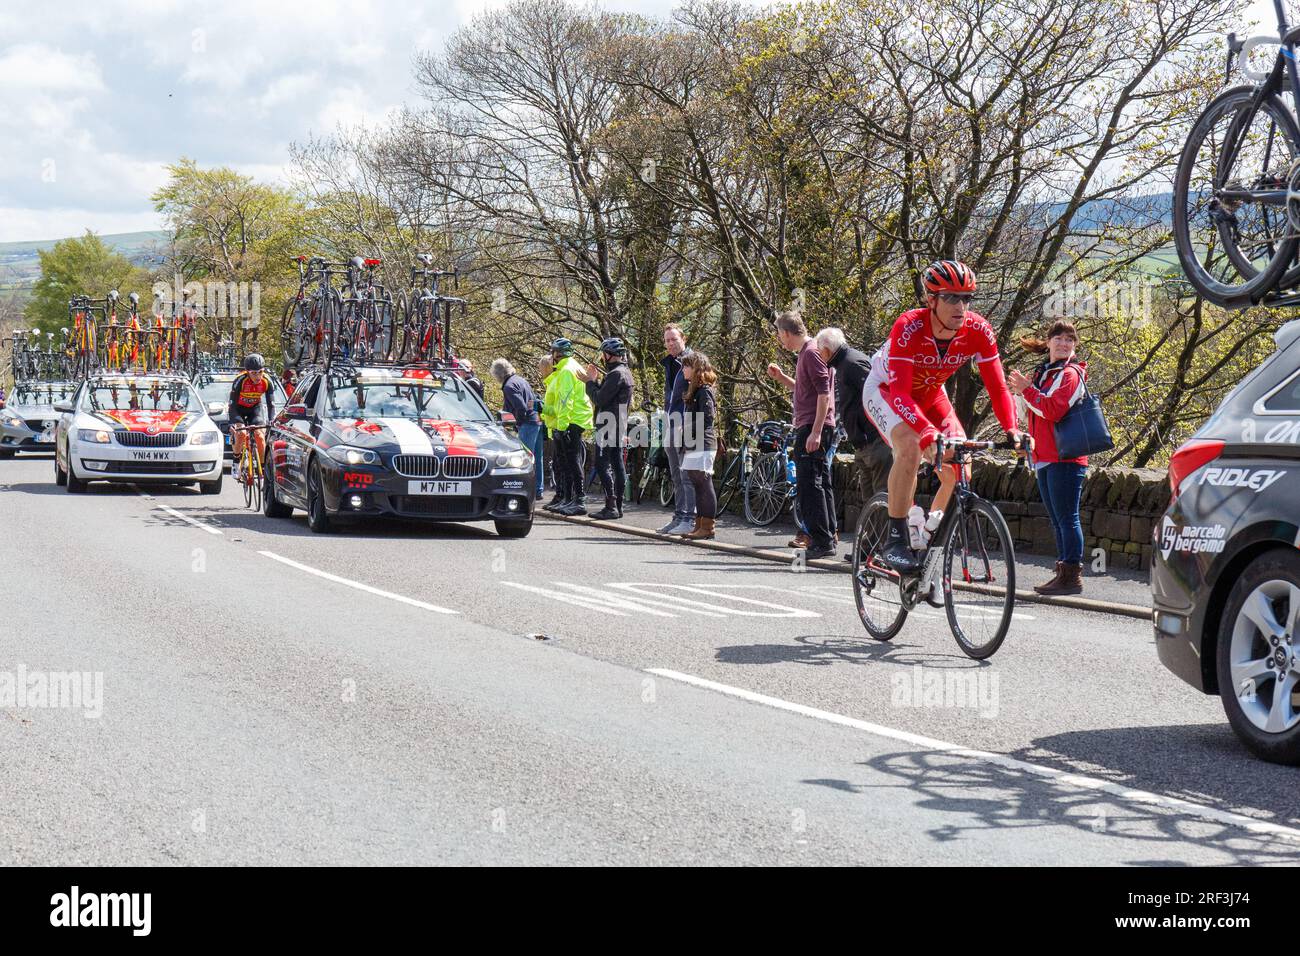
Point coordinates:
[(908, 372)]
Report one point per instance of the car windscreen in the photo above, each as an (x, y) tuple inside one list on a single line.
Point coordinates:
[(415, 398), (45, 393), (141, 395), (214, 389)]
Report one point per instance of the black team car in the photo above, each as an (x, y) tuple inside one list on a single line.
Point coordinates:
[(397, 441), (1225, 577)]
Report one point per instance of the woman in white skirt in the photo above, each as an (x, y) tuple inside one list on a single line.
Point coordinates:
[(700, 440)]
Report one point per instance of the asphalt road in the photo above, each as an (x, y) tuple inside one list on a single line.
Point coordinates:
[(435, 694)]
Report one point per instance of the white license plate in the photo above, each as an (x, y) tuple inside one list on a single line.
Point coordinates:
[(151, 456), (438, 488)]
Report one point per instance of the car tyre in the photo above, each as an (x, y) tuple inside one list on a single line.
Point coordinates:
[(514, 529), (318, 518), (272, 507), (74, 484), (212, 487), (1271, 583), (60, 476), (7, 453)]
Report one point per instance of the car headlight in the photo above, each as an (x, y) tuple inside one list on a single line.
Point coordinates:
[(514, 460), (353, 456), (205, 438), (94, 435), (9, 418)]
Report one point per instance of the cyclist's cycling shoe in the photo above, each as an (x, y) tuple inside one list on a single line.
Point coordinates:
[(900, 557)]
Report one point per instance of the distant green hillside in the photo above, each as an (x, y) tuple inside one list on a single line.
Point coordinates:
[(20, 263), (121, 241)]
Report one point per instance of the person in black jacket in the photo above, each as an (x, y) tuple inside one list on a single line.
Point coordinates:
[(611, 397), (520, 400), (871, 456), (700, 440)]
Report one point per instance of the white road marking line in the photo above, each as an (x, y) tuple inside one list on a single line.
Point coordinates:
[(781, 610), (589, 604), (612, 600), (357, 584), (1067, 778), (198, 524), (202, 526)]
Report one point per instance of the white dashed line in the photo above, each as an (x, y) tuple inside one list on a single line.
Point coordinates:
[(401, 598)]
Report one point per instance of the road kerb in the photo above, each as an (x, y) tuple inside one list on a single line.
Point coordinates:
[(786, 557)]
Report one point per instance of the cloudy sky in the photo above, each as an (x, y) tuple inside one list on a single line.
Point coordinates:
[(96, 96)]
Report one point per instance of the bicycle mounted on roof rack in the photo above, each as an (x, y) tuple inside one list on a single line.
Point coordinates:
[(124, 341), (426, 312), (357, 323)]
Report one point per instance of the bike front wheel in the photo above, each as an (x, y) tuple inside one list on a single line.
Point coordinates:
[(978, 555), (875, 586), (727, 485)]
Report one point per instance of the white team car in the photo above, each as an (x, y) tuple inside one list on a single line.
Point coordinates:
[(134, 427)]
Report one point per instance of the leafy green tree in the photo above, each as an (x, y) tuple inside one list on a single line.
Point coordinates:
[(84, 265)]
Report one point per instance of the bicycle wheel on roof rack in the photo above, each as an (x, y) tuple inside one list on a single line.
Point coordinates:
[(1235, 225), (293, 338)]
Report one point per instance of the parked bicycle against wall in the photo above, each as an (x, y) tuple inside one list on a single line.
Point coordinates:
[(656, 476)]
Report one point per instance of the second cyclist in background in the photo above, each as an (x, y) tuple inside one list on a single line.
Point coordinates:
[(905, 399), (250, 404)]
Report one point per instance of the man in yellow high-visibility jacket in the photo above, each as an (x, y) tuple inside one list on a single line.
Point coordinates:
[(567, 414)]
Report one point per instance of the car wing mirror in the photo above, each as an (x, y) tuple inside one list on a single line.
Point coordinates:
[(216, 408), (63, 407)]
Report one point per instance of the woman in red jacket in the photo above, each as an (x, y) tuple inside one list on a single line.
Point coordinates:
[(1056, 385)]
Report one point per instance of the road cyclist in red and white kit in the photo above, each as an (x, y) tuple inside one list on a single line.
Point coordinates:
[(904, 396)]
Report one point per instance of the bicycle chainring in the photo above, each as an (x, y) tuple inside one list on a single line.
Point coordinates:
[(909, 591)]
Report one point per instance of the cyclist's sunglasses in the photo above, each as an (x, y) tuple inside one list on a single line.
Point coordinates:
[(952, 298)]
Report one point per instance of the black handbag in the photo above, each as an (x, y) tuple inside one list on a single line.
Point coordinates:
[(1083, 431)]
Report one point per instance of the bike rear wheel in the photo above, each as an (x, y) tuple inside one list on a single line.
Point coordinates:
[(766, 490), (978, 552), (1235, 247), (667, 492), (875, 586)]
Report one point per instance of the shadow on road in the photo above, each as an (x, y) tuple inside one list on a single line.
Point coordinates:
[(977, 796), (229, 519), (821, 650)]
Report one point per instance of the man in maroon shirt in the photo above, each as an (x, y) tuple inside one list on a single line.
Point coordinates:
[(814, 431)]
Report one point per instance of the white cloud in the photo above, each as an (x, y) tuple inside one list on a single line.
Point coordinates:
[(36, 66), (110, 91)]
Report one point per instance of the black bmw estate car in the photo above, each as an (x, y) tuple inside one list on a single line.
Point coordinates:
[(407, 442), (1225, 577)]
